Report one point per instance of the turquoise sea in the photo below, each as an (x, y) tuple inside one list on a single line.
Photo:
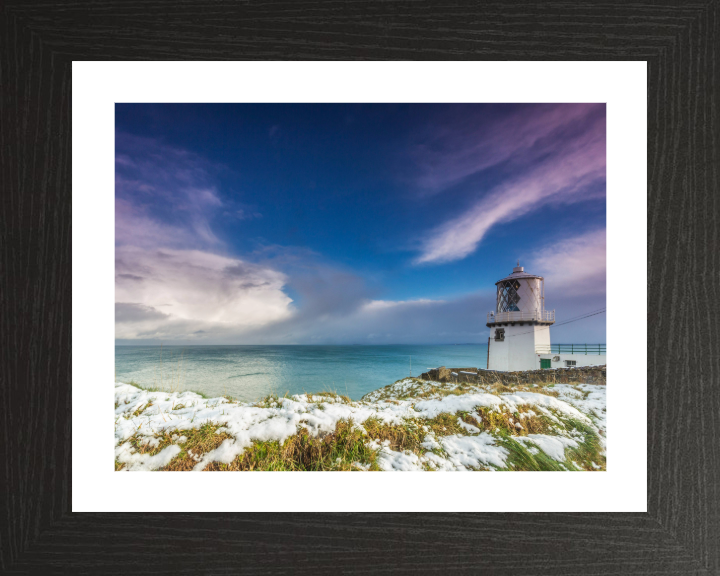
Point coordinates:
[(250, 372)]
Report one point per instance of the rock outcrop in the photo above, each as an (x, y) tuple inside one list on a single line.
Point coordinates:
[(583, 374)]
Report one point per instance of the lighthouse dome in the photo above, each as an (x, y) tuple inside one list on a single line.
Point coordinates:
[(520, 292)]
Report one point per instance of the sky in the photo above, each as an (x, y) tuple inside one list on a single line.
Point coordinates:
[(353, 223)]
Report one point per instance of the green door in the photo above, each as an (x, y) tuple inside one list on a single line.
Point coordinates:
[(544, 362)]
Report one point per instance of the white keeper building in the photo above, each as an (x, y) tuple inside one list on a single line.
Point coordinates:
[(520, 330)]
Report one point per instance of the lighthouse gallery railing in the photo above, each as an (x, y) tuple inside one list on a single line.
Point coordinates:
[(538, 315)]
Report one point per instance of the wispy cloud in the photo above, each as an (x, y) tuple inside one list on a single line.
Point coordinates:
[(163, 191), (470, 139), (565, 156), (135, 226), (574, 266)]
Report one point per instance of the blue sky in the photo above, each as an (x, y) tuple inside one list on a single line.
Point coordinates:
[(367, 224)]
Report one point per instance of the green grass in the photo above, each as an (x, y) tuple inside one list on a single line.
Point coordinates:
[(337, 451), (520, 458), (588, 451), (406, 436), (347, 444), (199, 441)]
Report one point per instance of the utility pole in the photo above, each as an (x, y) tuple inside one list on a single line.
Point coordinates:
[(410, 366)]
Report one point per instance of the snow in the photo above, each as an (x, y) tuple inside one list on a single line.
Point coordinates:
[(553, 446), (473, 451), (452, 404), (134, 461), (225, 453), (468, 427), (389, 460), (430, 443), (145, 415)]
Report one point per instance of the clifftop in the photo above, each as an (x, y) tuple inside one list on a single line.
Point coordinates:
[(412, 424)]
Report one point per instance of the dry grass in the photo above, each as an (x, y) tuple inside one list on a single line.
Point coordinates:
[(337, 450), (422, 389), (147, 445), (141, 409), (272, 400), (447, 390), (199, 441), (519, 423), (500, 388), (334, 396), (406, 436), (583, 393), (412, 432), (445, 424), (545, 388), (417, 389)]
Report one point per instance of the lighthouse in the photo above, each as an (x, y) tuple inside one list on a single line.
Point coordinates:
[(519, 325)]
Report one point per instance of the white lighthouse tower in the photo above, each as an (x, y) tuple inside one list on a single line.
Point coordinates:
[(520, 325)]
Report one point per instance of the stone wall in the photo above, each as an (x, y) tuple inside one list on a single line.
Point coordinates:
[(583, 374)]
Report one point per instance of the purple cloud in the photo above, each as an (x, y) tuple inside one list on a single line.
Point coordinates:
[(562, 154)]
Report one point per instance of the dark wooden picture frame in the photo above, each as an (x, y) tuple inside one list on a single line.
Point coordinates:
[(680, 533)]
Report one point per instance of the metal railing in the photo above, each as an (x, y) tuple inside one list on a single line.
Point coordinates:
[(586, 349), (538, 315)]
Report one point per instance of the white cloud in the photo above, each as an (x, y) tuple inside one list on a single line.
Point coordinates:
[(164, 293), (375, 305), (170, 282)]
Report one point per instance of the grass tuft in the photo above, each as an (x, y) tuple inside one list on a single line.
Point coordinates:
[(338, 450), (406, 436)]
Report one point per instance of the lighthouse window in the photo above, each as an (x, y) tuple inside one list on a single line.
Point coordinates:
[(500, 334), (508, 297)]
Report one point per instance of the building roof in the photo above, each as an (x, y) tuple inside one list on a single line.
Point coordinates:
[(517, 273)]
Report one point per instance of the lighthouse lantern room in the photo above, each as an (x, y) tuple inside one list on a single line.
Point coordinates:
[(520, 325)]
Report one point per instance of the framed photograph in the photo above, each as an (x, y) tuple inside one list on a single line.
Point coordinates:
[(318, 249), (278, 266), (407, 270)]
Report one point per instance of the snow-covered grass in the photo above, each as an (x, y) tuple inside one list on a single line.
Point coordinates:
[(409, 425)]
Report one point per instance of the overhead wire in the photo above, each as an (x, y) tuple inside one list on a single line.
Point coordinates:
[(569, 321)]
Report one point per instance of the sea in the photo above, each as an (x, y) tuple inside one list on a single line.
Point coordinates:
[(249, 373)]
